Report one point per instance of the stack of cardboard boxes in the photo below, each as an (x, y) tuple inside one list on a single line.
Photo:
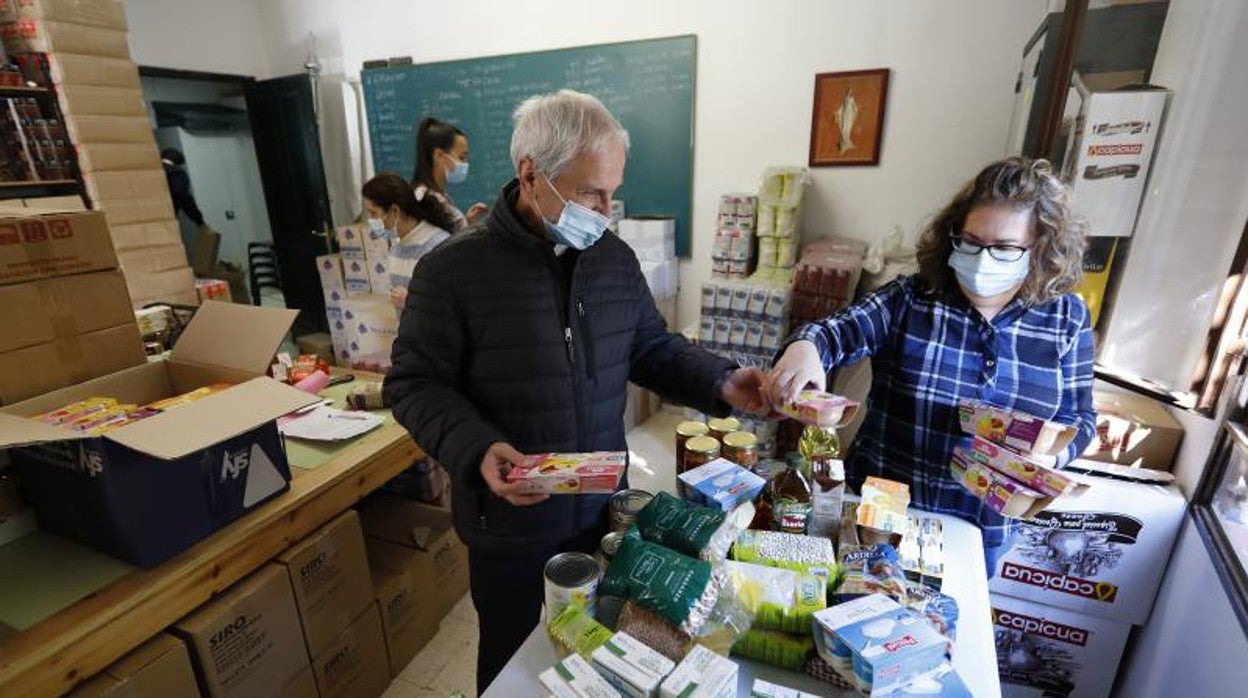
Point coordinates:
[(653, 240), (419, 571), (63, 303), (305, 626), (78, 48), (160, 667)]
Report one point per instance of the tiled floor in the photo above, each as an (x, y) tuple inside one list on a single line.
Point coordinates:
[(448, 664)]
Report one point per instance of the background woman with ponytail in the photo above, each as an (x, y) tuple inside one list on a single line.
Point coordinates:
[(441, 159)]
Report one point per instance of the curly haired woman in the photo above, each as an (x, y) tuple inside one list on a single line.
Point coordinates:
[(990, 316)]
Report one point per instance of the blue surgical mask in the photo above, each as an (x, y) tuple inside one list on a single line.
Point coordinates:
[(984, 276), (378, 226), (458, 173), (578, 227)]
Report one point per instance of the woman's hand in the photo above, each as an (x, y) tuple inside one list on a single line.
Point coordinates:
[(476, 211), (398, 297), (800, 367)]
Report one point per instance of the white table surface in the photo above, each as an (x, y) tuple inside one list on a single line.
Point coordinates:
[(966, 580)]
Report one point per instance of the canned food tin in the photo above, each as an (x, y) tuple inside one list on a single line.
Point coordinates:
[(741, 447), (571, 578), (624, 507), (720, 428), (609, 547), (684, 432)]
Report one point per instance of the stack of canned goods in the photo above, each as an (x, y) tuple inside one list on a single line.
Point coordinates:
[(624, 507)]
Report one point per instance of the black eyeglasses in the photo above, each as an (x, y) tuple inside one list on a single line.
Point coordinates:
[(1001, 253)]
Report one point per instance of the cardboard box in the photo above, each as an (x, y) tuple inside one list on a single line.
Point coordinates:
[(329, 572), (159, 667), (1043, 650), (149, 490), (653, 238), (1101, 554), (126, 212), (88, 129), (247, 642), (149, 260), (573, 677), (329, 267), (1114, 139), (423, 541), (106, 187), (304, 686), (136, 236), (171, 286), (48, 36), (110, 157), (1134, 430), (39, 311), (109, 14), (42, 246), (371, 328), (354, 664), (887, 645), (720, 484), (408, 621), (70, 69), (67, 360)]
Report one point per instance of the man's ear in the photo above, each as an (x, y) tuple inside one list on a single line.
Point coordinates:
[(526, 173)]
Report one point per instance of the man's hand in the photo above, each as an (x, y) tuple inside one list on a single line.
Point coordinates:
[(800, 367), (498, 461), (743, 390), (398, 296), (475, 211)]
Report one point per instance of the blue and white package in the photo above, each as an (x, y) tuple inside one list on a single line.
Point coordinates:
[(942, 683), (721, 484), (890, 645)]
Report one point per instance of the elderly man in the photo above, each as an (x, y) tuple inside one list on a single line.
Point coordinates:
[(520, 336)]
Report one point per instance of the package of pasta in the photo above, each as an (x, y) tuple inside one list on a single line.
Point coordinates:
[(654, 630), (790, 652), (870, 569), (781, 599), (680, 588), (700, 532), (806, 554), (573, 631)]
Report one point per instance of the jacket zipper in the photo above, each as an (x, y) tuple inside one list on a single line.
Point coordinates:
[(590, 361)]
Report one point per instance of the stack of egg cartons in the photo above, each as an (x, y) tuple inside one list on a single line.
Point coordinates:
[(732, 256), (779, 213)]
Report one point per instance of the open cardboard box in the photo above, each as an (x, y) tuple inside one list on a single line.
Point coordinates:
[(149, 490)]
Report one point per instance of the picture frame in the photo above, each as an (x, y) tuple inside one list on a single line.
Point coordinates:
[(847, 123)]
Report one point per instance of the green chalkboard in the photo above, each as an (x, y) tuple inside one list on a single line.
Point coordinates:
[(648, 85)]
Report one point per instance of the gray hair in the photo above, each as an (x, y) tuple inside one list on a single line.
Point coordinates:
[(553, 129)]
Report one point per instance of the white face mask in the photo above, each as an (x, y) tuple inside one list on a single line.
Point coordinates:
[(378, 226), (984, 276), (578, 227)]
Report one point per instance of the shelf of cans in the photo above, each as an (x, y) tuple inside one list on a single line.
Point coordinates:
[(34, 144), (744, 321)]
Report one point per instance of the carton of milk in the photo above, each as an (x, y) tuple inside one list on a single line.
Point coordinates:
[(889, 646)]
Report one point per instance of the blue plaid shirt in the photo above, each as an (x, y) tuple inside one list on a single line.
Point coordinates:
[(928, 352)]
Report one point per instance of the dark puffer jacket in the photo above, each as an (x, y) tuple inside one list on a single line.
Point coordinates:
[(495, 344)]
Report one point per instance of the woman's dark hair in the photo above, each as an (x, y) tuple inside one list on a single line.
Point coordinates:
[(388, 189), (1023, 185), (432, 134)]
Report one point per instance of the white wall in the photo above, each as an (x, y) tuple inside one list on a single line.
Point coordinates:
[(954, 66), (222, 36), (1193, 644)]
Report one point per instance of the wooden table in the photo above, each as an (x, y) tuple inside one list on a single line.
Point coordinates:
[(53, 655)]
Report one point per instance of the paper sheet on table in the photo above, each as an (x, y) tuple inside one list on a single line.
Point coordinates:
[(329, 424)]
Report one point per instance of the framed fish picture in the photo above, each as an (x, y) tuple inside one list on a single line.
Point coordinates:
[(848, 121)]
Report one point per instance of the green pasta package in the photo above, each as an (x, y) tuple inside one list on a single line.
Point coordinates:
[(777, 649), (790, 551), (678, 587), (700, 532), (780, 599)]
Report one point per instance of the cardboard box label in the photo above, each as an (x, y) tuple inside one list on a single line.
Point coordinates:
[(1102, 554), (1057, 652), (329, 572)]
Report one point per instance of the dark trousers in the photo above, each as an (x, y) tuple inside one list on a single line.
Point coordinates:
[(507, 591)]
